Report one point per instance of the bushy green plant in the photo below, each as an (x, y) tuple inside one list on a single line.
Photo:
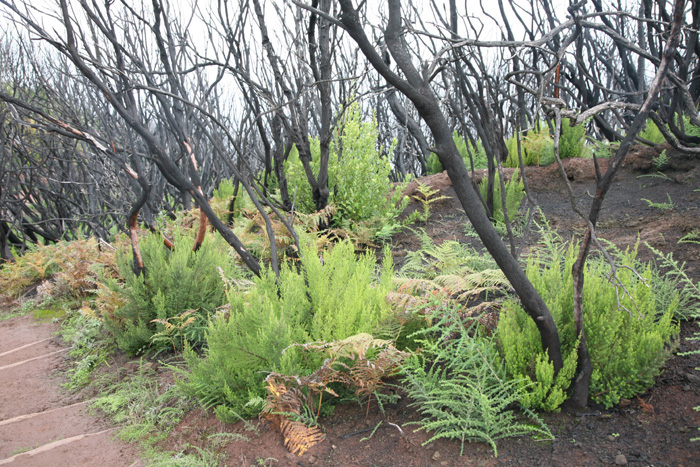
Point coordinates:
[(652, 133), (458, 383), (334, 297), (478, 152), (221, 199), (358, 180), (173, 283), (572, 141), (434, 166), (515, 191), (539, 147), (478, 155), (629, 338), (512, 160)]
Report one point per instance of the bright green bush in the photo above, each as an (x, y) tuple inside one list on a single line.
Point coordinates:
[(358, 182), (174, 282), (628, 344), (537, 148), (572, 141), (434, 166), (458, 383), (512, 160), (478, 155), (515, 191), (652, 133), (333, 298), (478, 152)]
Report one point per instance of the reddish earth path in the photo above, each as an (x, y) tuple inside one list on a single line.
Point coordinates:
[(39, 424)]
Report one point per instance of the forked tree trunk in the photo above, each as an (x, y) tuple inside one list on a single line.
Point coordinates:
[(419, 92)]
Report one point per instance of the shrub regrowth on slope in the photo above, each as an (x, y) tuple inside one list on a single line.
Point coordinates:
[(629, 337)]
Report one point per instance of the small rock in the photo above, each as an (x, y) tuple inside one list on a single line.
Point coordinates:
[(333, 446), (445, 463), (686, 388), (625, 402), (693, 377), (313, 460), (436, 456), (620, 459), (611, 438)]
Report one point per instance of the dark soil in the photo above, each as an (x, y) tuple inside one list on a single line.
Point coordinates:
[(652, 429)]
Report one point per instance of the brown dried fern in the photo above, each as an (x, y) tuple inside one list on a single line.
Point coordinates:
[(348, 363)]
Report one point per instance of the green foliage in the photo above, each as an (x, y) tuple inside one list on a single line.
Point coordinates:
[(478, 155), (662, 206), (512, 160), (358, 178), (145, 412), (222, 195), (691, 237), (174, 282), (344, 300), (515, 191), (572, 141), (478, 152), (434, 166), (537, 148), (458, 383), (90, 347), (449, 258), (629, 337), (652, 133), (660, 161), (426, 196), (688, 296), (334, 297)]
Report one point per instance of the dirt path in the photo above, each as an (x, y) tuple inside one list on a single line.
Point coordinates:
[(39, 424)]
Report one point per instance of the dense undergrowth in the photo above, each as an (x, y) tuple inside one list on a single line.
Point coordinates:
[(336, 323)]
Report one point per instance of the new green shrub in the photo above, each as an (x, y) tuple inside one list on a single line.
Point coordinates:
[(515, 190), (652, 133), (434, 165), (333, 298), (572, 140), (478, 152), (358, 182), (478, 155), (173, 283), (537, 148), (628, 342)]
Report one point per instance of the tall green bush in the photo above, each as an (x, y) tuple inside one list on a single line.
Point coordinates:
[(537, 148), (652, 133), (332, 298), (515, 191), (478, 152), (478, 155), (174, 282), (358, 178), (572, 141), (628, 337)]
